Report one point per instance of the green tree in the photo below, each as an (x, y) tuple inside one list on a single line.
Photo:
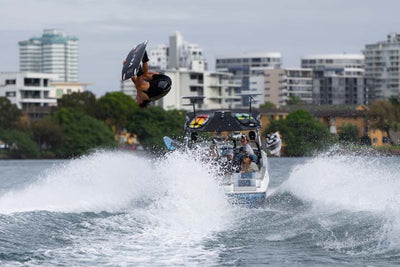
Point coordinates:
[(48, 133), (385, 116), (116, 109), (301, 133), (293, 100), (84, 101), (9, 113), (82, 133), (268, 105), (153, 123), (395, 101), (348, 133), (19, 144)]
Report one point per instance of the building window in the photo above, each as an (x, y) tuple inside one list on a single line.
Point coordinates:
[(10, 82), (31, 82), (11, 94)]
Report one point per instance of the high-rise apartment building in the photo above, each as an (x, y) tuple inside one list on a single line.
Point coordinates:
[(182, 54), (54, 52), (382, 62), (249, 69), (281, 84), (337, 78), (179, 54)]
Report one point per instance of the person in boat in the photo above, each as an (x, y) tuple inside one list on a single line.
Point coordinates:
[(150, 85), (247, 150), (248, 165), (229, 166), (244, 140)]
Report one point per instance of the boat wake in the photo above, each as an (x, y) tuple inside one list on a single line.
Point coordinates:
[(343, 203), (121, 208), (114, 208)]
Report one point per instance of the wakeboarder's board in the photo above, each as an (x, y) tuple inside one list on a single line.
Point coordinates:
[(133, 61), (171, 144)]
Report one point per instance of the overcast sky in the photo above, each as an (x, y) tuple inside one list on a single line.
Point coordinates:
[(107, 30)]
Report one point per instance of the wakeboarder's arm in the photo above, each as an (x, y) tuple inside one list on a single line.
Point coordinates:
[(141, 86), (147, 75)]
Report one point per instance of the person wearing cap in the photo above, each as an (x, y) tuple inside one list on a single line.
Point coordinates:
[(247, 149), (229, 166), (229, 154)]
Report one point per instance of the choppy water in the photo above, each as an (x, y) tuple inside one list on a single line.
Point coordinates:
[(120, 209)]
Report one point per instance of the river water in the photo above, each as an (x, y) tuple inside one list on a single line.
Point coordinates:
[(123, 209)]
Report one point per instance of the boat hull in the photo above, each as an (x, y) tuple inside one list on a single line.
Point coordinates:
[(247, 199)]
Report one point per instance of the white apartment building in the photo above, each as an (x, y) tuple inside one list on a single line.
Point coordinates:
[(158, 57), (217, 88), (181, 54), (28, 89), (54, 52), (249, 69), (281, 84), (337, 78), (382, 63)]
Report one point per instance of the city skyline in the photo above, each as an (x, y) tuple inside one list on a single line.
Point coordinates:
[(107, 31)]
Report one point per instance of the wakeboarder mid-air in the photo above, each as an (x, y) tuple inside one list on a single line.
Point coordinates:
[(150, 85)]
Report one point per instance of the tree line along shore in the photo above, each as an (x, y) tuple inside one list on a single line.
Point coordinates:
[(81, 123)]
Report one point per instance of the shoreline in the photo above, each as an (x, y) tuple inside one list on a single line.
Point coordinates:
[(363, 151)]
